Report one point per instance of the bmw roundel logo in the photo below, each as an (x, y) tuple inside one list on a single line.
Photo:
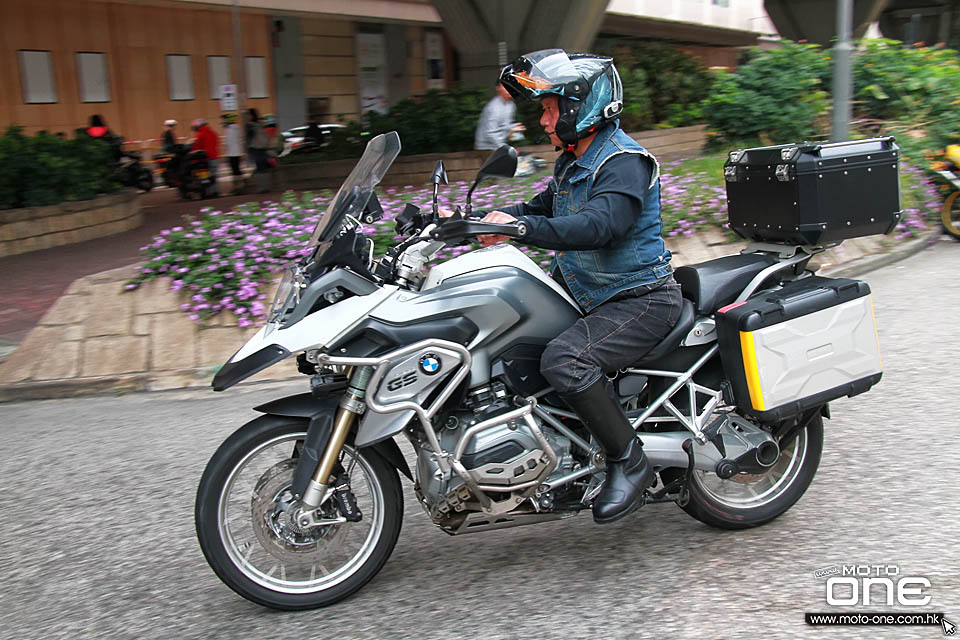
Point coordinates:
[(430, 364)]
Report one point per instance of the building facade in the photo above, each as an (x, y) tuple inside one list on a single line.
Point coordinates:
[(138, 64)]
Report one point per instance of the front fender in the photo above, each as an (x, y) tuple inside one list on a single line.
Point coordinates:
[(319, 413)]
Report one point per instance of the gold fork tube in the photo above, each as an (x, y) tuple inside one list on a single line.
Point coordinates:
[(341, 427)]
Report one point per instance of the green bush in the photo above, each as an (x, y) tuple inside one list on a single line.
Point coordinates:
[(436, 122), (45, 170), (668, 88), (898, 87), (775, 95)]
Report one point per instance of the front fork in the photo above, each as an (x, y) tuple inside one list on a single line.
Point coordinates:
[(351, 406)]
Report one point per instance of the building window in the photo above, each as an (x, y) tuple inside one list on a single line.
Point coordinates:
[(180, 77), (218, 70), (257, 77), (36, 76), (92, 77)]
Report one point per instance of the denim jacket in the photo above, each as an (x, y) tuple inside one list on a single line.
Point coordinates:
[(639, 258)]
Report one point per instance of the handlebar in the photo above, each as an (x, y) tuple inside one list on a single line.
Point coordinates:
[(461, 229)]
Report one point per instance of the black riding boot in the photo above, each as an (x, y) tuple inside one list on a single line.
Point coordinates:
[(628, 471)]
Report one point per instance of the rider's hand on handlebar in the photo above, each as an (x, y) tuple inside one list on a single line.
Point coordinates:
[(444, 213), (496, 217)]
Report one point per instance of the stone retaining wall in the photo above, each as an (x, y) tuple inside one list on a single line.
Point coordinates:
[(35, 228), (463, 165)]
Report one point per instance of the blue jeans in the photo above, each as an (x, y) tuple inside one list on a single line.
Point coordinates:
[(616, 334)]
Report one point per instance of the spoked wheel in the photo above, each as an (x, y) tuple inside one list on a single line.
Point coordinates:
[(750, 500), (247, 530), (950, 215)]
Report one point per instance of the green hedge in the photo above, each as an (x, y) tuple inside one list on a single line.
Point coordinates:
[(436, 122), (44, 169), (775, 95), (782, 95)]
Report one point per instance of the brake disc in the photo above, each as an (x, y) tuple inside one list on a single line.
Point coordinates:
[(272, 506)]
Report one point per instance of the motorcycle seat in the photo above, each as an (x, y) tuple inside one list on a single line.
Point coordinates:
[(715, 283), (672, 340)]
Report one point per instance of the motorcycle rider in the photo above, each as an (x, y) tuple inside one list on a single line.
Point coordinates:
[(208, 141), (169, 136), (601, 213)]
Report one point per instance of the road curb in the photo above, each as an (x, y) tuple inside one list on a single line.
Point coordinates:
[(73, 387), (867, 264)]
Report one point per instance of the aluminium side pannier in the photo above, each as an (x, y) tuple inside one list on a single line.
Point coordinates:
[(798, 347)]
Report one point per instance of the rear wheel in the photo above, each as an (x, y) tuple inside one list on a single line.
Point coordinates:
[(750, 500), (950, 215), (246, 526)]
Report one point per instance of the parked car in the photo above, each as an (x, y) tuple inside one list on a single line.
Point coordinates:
[(294, 138)]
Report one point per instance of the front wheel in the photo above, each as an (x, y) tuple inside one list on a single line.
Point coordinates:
[(250, 539), (950, 215), (750, 500)]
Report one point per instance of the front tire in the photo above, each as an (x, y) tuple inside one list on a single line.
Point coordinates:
[(257, 549), (745, 501), (950, 216)]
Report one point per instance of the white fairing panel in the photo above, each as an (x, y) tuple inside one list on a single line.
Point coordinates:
[(321, 328), (503, 255)]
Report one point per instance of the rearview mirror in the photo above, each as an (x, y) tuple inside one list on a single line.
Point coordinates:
[(439, 177), (439, 174), (501, 163)]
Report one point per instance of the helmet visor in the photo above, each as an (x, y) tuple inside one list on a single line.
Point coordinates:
[(538, 73)]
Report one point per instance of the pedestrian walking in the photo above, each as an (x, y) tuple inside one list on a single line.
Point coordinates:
[(257, 144), (233, 146)]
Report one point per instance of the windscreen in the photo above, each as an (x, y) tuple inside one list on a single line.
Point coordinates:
[(356, 190)]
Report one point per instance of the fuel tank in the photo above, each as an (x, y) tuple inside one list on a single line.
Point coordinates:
[(511, 302)]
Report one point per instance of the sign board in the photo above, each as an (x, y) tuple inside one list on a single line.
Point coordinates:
[(372, 73), (228, 97)]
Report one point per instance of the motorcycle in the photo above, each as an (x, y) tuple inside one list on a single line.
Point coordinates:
[(187, 171), (132, 173), (950, 211), (302, 506)]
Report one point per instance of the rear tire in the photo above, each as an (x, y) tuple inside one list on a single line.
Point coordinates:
[(256, 549), (734, 503)]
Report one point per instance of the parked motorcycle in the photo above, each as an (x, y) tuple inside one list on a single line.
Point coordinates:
[(950, 212), (132, 173), (187, 171), (302, 506)]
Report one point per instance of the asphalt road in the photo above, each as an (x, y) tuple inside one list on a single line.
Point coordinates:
[(96, 522)]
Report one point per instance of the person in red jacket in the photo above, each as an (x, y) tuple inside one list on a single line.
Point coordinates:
[(207, 140)]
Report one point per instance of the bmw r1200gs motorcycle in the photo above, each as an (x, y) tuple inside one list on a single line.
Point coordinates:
[(301, 506)]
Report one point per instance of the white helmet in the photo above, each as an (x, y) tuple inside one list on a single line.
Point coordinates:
[(169, 123)]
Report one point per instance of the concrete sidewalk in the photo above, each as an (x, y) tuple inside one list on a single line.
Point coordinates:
[(98, 338)]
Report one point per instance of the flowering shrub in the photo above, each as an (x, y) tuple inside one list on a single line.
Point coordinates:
[(920, 201), (227, 259)]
